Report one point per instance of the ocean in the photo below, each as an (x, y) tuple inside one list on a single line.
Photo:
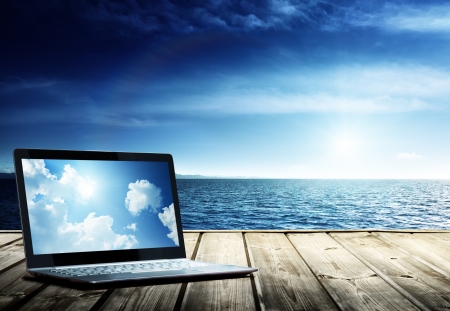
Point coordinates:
[(295, 204)]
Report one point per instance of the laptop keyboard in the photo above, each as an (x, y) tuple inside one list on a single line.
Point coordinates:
[(133, 268)]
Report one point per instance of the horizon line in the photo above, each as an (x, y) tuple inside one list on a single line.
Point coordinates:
[(4, 175)]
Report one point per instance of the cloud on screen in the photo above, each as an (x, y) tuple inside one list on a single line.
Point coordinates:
[(35, 167), (83, 186), (167, 217), (96, 233), (49, 200), (133, 227), (141, 196)]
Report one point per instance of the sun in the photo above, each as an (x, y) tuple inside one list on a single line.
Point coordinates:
[(345, 145)]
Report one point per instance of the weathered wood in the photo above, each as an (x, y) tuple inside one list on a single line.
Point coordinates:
[(351, 283), (441, 239), (428, 249), (13, 286), (159, 297), (146, 298), (234, 294), (8, 238), (11, 254), (426, 288), (284, 281), (414, 265), (61, 298)]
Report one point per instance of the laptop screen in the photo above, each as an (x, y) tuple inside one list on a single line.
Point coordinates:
[(91, 205)]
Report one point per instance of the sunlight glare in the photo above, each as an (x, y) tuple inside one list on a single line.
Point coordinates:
[(345, 145)]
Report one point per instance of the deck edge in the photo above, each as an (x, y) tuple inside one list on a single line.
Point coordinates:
[(300, 230), (324, 230)]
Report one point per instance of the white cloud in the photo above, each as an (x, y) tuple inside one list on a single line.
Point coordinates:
[(38, 179), (383, 88), (50, 198), (409, 156), (433, 19), (142, 195), (95, 233), (133, 227), (50, 208), (32, 167), (393, 17), (375, 88), (167, 217), (85, 187)]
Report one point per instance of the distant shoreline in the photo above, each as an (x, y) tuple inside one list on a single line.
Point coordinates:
[(197, 176), (181, 176)]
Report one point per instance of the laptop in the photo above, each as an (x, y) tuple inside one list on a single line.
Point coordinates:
[(101, 217)]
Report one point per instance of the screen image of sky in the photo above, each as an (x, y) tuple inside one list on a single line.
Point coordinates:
[(271, 89), (79, 206)]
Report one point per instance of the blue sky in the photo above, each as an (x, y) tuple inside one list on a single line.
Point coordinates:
[(285, 89), (77, 206)]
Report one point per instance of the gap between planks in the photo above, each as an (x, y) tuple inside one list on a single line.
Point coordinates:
[(384, 276)]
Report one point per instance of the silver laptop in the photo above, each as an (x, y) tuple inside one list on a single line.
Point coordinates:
[(105, 217)]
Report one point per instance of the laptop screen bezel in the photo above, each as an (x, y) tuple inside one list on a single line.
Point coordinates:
[(97, 257)]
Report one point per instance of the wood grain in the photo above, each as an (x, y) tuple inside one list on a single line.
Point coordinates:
[(61, 298), (351, 283), (11, 254), (158, 297), (422, 285), (284, 281), (426, 248), (13, 286), (232, 294), (6, 238), (340, 270)]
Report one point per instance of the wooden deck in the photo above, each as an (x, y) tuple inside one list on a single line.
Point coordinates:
[(298, 270)]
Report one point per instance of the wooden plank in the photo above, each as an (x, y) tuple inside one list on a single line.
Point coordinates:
[(284, 281), (11, 254), (57, 297), (442, 239), (6, 238), (352, 284), (158, 297), (61, 298), (14, 287), (430, 250), (233, 294), (426, 288)]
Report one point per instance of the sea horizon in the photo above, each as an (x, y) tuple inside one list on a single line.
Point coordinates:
[(295, 204), (199, 176)]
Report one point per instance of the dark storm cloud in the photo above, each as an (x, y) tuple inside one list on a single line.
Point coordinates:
[(134, 18), (131, 21), (196, 16)]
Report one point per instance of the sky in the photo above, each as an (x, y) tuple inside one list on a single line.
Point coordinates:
[(272, 89), (78, 206)]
